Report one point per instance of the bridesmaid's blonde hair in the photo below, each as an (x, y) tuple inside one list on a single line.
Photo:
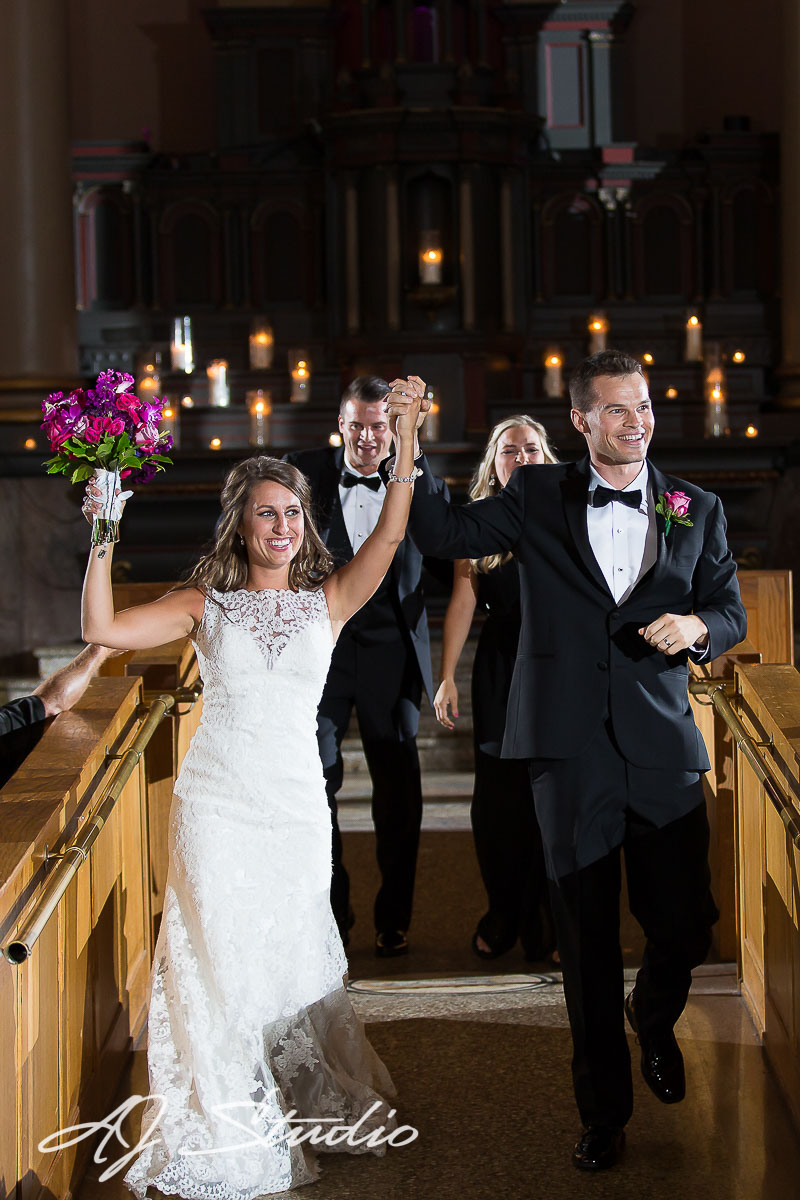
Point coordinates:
[(485, 483), (224, 566)]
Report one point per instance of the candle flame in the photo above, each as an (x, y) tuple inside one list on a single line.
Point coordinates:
[(168, 413), (260, 406), (671, 393), (187, 402), (30, 443), (432, 256), (751, 431), (739, 357), (648, 358), (554, 361), (694, 321), (215, 443)]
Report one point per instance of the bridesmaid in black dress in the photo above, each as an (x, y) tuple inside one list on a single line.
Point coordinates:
[(507, 838)]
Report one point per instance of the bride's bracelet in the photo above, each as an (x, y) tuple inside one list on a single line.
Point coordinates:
[(392, 478)]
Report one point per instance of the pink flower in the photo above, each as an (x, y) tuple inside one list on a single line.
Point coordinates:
[(127, 402), (679, 502), (93, 434)]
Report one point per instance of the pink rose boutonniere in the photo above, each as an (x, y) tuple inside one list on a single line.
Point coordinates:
[(674, 507)]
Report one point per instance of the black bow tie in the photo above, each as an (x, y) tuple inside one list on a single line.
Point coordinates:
[(601, 496), (347, 480)]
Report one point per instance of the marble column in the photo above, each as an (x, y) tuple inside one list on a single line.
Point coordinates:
[(790, 205), (38, 341)]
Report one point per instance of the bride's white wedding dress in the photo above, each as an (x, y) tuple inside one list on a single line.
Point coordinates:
[(248, 1006)]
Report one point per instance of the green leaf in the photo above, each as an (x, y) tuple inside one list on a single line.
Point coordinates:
[(81, 473)]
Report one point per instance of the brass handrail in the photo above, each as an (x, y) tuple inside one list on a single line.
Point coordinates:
[(717, 691), (69, 860)]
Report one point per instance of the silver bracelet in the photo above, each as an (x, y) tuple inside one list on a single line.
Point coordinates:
[(392, 478)]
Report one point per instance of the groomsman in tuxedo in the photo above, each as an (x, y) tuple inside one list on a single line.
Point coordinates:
[(625, 575), (380, 665)]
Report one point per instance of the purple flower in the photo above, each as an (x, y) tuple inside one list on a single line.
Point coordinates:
[(144, 474)]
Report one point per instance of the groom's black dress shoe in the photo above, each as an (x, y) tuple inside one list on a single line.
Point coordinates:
[(599, 1148), (662, 1061), (391, 943)]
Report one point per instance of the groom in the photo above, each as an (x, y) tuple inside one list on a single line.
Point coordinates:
[(625, 575)]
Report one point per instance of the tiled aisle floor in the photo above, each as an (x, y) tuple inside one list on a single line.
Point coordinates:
[(485, 1077), (485, 1081)]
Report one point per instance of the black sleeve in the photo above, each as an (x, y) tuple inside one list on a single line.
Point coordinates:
[(21, 725), (716, 588), (447, 530), (17, 714)]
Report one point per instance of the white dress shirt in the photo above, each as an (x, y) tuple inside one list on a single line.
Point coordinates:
[(361, 507), (618, 534)]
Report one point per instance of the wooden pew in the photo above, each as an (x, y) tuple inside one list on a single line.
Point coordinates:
[(767, 596), (69, 1014), (169, 668), (769, 867)]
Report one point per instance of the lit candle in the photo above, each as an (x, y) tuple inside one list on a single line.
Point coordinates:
[(219, 393), (739, 356), (171, 421), (430, 258), (716, 404), (334, 439), (598, 333), (694, 339), (672, 393), (751, 431), (553, 375), (300, 371), (259, 403), (215, 444), (181, 345), (430, 430), (262, 346), (30, 443), (149, 381), (187, 402)]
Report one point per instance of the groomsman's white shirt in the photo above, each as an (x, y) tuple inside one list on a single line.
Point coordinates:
[(618, 534), (361, 507)]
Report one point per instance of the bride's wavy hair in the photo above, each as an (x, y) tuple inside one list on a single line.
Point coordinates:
[(224, 566), (485, 483)]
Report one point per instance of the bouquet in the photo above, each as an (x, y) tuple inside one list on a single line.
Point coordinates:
[(110, 433)]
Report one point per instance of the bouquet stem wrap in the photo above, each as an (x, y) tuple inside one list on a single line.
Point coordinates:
[(105, 526)]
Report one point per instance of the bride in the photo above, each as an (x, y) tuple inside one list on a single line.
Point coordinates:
[(251, 1036)]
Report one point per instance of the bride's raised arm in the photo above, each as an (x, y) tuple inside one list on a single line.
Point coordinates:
[(349, 588), (173, 616)]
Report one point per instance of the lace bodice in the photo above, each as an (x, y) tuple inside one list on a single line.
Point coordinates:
[(266, 648), (273, 617)]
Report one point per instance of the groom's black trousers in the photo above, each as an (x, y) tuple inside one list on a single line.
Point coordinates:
[(669, 895)]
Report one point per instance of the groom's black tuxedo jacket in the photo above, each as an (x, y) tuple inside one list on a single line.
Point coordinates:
[(402, 589), (580, 657)]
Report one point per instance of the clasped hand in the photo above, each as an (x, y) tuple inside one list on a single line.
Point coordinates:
[(406, 399)]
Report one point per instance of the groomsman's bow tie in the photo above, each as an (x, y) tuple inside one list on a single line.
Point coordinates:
[(373, 482), (601, 496)]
